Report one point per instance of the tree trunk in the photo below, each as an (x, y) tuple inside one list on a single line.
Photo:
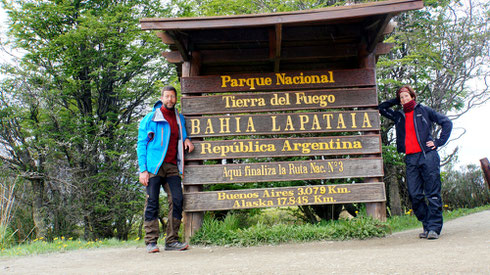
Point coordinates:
[(394, 200), (39, 215)]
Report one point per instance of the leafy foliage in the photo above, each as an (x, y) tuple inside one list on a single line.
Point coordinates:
[(465, 189), (70, 107)]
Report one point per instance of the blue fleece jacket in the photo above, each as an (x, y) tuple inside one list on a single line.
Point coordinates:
[(153, 139), (424, 118)]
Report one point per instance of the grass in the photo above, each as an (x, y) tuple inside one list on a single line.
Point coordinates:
[(229, 232), (401, 223), (42, 246), (232, 232)]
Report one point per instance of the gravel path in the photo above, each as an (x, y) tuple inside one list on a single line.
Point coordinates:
[(463, 248)]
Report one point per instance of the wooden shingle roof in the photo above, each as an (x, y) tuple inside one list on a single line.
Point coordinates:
[(332, 38)]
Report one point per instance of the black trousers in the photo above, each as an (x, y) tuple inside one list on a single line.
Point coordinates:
[(424, 188), (171, 185), (168, 177)]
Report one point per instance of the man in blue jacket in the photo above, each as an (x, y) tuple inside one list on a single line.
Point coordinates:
[(413, 127), (162, 139)]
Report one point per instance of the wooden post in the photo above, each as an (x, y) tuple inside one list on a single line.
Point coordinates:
[(376, 210), (485, 167), (192, 220)]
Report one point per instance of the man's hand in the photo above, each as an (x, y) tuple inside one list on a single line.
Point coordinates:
[(430, 144), (144, 178), (188, 145)]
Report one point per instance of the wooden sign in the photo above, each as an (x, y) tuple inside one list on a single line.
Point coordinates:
[(285, 147), (287, 196), (282, 123), (283, 171), (278, 81), (279, 101)]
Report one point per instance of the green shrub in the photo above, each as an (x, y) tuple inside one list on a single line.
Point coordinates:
[(464, 189), (228, 231)]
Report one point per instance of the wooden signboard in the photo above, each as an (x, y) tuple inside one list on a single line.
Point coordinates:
[(287, 196), (283, 171), (283, 123), (284, 66), (279, 101), (286, 147), (278, 81)]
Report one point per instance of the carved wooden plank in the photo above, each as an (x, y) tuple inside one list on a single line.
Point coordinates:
[(286, 147), (283, 171), (282, 123), (234, 55), (173, 57), (278, 81), (320, 34), (287, 54), (279, 101), (287, 196), (319, 51)]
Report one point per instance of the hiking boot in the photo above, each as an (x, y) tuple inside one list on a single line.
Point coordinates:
[(432, 235), (176, 246), (424, 234), (152, 248)]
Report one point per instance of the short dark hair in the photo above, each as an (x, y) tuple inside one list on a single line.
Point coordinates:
[(410, 91), (169, 88)]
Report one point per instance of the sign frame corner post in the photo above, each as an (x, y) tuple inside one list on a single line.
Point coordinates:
[(485, 166), (377, 210), (192, 220)]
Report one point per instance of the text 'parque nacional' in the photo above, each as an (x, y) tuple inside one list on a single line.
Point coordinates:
[(321, 79), (280, 79)]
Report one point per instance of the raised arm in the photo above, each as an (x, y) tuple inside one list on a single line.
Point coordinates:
[(386, 110)]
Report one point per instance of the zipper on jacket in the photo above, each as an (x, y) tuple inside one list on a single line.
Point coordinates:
[(417, 132), (164, 153), (181, 137)]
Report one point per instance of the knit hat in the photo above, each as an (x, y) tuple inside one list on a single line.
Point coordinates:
[(410, 91)]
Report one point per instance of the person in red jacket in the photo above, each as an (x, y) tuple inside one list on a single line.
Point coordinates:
[(413, 126)]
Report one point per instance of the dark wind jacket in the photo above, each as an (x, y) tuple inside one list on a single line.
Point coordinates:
[(424, 117)]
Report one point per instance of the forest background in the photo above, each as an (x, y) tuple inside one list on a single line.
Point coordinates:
[(77, 76)]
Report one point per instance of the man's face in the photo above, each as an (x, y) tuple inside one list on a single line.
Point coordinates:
[(169, 99), (405, 96)]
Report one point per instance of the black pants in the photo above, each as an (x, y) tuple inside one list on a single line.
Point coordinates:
[(175, 197), (424, 188), (168, 178)]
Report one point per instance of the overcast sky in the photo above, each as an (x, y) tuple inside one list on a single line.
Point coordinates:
[(473, 146)]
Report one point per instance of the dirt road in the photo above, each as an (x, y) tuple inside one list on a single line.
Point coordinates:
[(463, 248)]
